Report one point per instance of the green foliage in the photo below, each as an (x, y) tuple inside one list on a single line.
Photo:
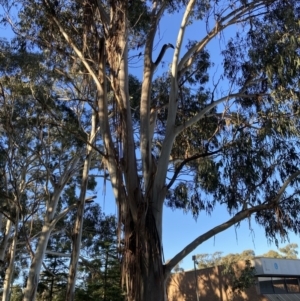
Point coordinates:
[(99, 265), (215, 259), (100, 274), (230, 157), (16, 293), (272, 254), (245, 280), (210, 260), (34, 156)]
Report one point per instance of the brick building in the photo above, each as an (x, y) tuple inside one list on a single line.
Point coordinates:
[(276, 280)]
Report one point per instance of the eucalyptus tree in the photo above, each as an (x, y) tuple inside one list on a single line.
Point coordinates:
[(198, 145), (289, 252), (210, 260), (40, 161), (20, 173)]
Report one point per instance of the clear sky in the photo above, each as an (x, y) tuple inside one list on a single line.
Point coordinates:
[(179, 228)]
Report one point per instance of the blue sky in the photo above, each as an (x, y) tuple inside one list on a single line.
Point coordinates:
[(180, 228)]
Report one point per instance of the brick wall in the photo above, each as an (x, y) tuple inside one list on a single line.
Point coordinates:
[(213, 285)]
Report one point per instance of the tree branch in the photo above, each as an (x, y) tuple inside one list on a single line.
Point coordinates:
[(202, 113), (234, 16), (59, 254), (285, 185), (234, 220), (220, 228), (72, 44), (146, 133), (67, 210), (172, 109), (103, 15), (187, 160)]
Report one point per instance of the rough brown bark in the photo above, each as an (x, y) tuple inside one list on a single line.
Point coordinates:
[(143, 273)]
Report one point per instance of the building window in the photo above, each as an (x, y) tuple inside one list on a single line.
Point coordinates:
[(278, 285), (292, 285), (265, 285)]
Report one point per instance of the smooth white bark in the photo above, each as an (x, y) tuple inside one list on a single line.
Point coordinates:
[(77, 230), (159, 190), (10, 269), (49, 223), (4, 242)]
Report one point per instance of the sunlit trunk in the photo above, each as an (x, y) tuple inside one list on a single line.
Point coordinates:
[(76, 235), (77, 230), (50, 219), (1, 219), (10, 269), (36, 264), (4, 242)]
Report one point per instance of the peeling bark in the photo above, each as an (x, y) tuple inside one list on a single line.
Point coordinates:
[(143, 273)]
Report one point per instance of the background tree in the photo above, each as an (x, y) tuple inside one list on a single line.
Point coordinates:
[(242, 278), (210, 260), (99, 266), (100, 274), (40, 162), (288, 252)]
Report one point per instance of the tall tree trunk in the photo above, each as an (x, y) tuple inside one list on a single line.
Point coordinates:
[(77, 230), (105, 275), (10, 269), (51, 288), (142, 267), (49, 223), (76, 236), (36, 264), (4, 242), (1, 220)]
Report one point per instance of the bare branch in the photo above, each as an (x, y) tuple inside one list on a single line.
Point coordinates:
[(187, 160), (72, 44), (201, 114), (103, 15), (218, 229)]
